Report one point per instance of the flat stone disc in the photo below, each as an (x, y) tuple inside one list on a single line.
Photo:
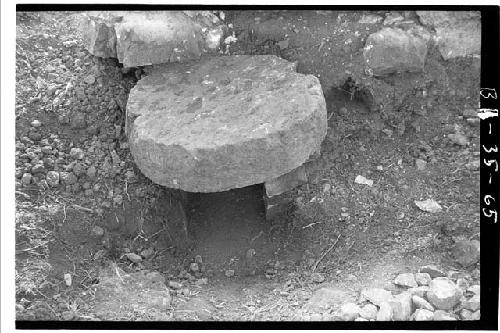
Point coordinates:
[(224, 122)]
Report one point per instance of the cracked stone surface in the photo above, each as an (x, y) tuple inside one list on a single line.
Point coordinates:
[(139, 38), (224, 122)]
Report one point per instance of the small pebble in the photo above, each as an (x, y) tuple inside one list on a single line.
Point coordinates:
[(202, 281), (130, 175), (26, 179), (423, 315), (420, 164), (440, 315), (423, 279), (118, 200), (466, 314), (476, 315), (473, 121), (421, 303), (135, 258), (458, 139), (343, 110), (316, 317), (68, 315), (469, 113), (349, 311), (91, 172), (76, 153), (363, 181), (443, 293), (174, 285), (475, 289), (377, 296), (90, 79), (68, 279), (317, 277), (52, 178), (466, 252), (432, 270), (97, 231), (193, 267), (147, 253), (462, 283), (406, 280), (369, 311), (473, 304)]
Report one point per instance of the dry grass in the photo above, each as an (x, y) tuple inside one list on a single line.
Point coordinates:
[(32, 251)]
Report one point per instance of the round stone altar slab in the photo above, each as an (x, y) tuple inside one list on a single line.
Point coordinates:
[(224, 122)]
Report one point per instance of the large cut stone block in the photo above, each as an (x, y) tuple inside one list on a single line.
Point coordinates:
[(151, 37), (393, 50), (99, 33), (458, 33), (224, 122)]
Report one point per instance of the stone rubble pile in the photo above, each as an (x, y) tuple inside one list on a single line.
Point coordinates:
[(86, 91), (429, 295), (401, 44)]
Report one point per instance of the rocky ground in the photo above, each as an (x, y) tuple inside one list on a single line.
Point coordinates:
[(386, 229)]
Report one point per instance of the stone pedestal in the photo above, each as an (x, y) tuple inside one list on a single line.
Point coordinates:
[(277, 192)]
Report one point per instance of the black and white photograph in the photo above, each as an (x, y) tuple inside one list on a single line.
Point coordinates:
[(242, 166)]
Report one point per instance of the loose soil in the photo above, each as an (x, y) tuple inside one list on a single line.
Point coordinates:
[(378, 231)]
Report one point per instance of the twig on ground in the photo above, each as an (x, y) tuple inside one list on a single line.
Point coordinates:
[(118, 273), (64, 210), (311, 224), (26, 196), (156, 233), (139, 235), (325, 253), (351, 93), (126, 189), (258, 235), (321, 45), (82, 208)]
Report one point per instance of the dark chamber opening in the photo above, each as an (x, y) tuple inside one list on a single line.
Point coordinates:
[(225, 225)]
